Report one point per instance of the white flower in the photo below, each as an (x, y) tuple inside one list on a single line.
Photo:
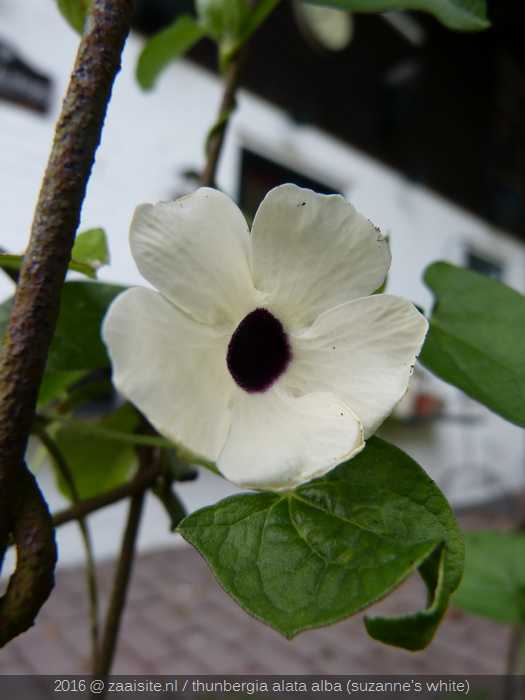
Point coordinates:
[(262, 352)]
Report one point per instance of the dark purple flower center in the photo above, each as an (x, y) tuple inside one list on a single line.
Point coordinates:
[(258, 352)]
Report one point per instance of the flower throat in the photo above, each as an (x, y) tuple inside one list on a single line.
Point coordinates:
[(258, 351)]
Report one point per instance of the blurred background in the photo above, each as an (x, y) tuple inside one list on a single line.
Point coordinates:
[(422, 129)]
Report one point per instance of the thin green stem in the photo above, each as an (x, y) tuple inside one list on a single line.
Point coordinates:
[(95, 430), (137, 439), (123, 573), (141, 481), (91, 572), (227, 107)]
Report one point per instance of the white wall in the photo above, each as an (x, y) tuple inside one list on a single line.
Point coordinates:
[(149, 138)]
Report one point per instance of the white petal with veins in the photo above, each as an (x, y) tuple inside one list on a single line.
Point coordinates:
[(312, 252), (363, 351), (278, 441), (172, 368), (195, 251), (342, 359)]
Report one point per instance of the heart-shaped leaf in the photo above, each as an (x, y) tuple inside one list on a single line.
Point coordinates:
[(232, 22), (223, 18), (494, 581), (476, 339), (77, 344), (462, 15), (165, 47), (334, 546), (97, 464)]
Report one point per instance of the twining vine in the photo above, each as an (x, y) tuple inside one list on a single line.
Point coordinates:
[(24, 513)]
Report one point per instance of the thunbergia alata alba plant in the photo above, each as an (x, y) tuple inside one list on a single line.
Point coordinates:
[(270, 357), (266, 353)]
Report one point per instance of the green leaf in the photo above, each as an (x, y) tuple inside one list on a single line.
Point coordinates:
[(332, 547), (494, 581), (462, 15), (96, 463), (5, 312), (11, 262), (77, 344), (223, 19), (415, 632), (232, 22), (476, 339), (94, 387), (14, 262), (75, 12), (55, 384), (110, 433), (91, 249), (165, 47)]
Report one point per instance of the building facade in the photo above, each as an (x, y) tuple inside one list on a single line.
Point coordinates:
[(153, 143)]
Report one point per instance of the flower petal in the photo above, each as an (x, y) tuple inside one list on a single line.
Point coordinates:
[(312, 252), (172, 368), (277, 441), (363, 351), (195, 251)]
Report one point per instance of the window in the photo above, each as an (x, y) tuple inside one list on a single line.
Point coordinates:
[(259, 174), (22, 84), (484, 264)]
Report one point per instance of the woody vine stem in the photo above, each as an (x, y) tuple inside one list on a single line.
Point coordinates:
[(24, 513)]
